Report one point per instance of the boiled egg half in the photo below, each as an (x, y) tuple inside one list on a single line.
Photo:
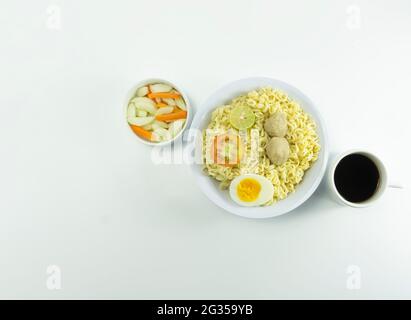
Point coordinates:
[(251, 190)]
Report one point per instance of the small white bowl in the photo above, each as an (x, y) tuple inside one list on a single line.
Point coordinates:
[(312, 177), (143, 83)]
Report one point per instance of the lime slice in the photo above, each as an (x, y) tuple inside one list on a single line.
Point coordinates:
[(242, 117)]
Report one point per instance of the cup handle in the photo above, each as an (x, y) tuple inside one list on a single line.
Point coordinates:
[(395, 185)]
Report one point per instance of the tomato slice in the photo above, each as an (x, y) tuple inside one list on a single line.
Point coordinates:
[(226, 150)]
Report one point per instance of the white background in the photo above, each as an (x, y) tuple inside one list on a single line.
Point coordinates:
[(80, 192)]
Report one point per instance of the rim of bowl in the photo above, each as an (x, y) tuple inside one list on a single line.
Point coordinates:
[(324, 147), (148, 81)]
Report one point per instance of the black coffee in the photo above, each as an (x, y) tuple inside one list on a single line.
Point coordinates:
[(356, 177)]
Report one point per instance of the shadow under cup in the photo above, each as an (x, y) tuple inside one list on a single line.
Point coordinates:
[(357, 178)]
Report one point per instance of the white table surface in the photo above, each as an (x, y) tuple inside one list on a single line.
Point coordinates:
[(79, 192)]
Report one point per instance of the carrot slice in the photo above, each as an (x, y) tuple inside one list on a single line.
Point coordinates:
[(141, 132), (172, 116), (161, 105), (170, 95)]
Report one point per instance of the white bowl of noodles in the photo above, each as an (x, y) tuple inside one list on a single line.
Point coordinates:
[(297, 179)]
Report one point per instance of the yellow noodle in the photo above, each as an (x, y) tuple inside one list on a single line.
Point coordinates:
[(301, 135)]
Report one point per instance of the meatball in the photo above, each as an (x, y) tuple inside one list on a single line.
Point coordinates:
[(278, 150), (276, 125)]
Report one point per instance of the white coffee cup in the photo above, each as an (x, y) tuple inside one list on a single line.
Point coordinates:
[(382, 185)]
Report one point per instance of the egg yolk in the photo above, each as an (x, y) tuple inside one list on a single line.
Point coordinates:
[(248, 190)]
